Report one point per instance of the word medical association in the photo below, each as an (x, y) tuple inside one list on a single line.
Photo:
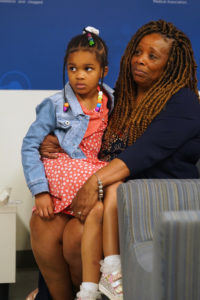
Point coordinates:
[(170, 1)]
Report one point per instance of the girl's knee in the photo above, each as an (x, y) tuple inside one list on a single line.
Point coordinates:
[(110, 200), (112, 189)]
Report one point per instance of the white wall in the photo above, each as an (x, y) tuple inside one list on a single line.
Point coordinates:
[(17, 111)]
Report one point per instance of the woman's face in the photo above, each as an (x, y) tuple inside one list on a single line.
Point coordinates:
[(150, 59)]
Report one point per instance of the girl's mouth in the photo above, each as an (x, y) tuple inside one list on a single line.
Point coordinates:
[(80, 86)]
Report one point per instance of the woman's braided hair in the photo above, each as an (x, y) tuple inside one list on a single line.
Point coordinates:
[(180, 72)]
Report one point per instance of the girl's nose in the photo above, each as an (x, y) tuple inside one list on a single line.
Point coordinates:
[(80, 74)]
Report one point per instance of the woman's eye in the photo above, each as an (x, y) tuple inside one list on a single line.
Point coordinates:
[(137, 52), (88, 69), (152, 56)]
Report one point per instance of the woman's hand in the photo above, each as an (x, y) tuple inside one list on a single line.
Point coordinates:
[(85, 199), (44, 206), (87, 196), (50, 146)]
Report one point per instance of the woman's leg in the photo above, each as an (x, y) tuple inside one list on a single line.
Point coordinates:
[(72, 249), (46, 240)]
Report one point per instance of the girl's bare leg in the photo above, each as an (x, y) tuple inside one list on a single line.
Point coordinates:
[(46, 240), (111, 279), (110, 221), (91, 247)]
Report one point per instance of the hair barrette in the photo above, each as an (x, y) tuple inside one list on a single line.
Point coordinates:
[(91, 30)]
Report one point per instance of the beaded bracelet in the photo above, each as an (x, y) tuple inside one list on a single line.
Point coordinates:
[(100, 187)]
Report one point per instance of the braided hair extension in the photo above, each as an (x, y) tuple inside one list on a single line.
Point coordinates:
[(80, 42), (180, 72)]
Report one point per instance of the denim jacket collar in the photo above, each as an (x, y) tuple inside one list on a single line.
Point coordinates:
[(75, 105)]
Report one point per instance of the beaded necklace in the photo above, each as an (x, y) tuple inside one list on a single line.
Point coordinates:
[(99, 101), (97, 108)]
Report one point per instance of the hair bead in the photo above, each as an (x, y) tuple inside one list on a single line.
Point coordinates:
[(90, 39), (65, 106), (99, 101)]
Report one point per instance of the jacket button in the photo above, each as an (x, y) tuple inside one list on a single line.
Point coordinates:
[(67, 123)]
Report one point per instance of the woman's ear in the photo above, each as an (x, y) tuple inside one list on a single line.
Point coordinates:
[(105, 71)]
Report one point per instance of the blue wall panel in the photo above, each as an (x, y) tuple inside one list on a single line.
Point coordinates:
[(34, 34)]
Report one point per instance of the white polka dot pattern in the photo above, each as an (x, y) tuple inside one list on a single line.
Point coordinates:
[(66, 175)]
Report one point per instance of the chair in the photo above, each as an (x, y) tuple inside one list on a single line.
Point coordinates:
[(159, 229)]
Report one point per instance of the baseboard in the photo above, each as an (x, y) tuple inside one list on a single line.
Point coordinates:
[(25, 259)]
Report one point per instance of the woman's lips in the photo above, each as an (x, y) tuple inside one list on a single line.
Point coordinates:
[(138, 72)]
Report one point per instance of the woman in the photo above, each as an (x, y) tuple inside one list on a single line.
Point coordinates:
[(153, 132)]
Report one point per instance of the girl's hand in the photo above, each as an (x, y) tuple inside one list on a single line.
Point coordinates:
[(44, 206), (50, 146), (85, 199)]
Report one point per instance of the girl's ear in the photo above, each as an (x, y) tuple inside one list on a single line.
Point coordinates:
[(105, 71)]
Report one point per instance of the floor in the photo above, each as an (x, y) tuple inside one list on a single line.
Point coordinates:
[(26, 281)]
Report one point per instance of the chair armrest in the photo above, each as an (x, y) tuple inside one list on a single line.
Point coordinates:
[(176, 255)]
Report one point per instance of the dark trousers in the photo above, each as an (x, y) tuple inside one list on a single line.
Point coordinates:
[(43, 289)]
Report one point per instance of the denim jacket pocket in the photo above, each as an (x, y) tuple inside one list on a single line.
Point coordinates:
[(64, 124)]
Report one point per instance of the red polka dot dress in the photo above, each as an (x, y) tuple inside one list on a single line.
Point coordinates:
[(66, 175)]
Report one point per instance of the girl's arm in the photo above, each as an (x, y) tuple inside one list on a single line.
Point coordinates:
[(33, 167)]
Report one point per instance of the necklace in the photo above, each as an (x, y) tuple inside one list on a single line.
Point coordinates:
[(97, 108), (99, 101)]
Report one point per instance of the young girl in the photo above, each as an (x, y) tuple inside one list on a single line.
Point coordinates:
[(78, 117)]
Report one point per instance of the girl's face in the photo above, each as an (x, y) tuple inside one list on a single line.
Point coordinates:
[(150, 59), (84, 72)]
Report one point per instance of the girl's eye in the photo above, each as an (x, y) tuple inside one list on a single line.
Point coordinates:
[(73, 69), (88, 69)]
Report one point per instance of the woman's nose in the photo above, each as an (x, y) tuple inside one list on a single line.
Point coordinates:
[(140, 59)]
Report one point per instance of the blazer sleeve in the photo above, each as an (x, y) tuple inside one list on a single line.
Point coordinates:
[(178, 122), (33, 167)]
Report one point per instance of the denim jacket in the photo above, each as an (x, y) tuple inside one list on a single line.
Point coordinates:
[(69, 127)]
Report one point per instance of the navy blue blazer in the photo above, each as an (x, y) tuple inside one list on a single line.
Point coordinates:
[(170, 147)]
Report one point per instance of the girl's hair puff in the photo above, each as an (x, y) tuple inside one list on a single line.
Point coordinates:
[(180, 72)]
